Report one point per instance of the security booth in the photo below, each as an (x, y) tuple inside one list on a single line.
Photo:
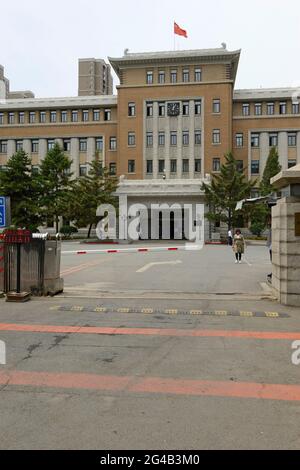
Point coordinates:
[(286, 237), (31, 265)]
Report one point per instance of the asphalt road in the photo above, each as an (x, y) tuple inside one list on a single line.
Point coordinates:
[(130, 372)]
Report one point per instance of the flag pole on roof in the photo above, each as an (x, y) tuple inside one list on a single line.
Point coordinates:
[(179, 32)]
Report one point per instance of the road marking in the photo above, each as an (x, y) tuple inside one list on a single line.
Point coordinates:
[(100, 310), (150, 265), (153, 385), (123, 310), (246, 314), (77, 308), (272, 314), (171, 312), (147, 310), (249, 264), (221, 313), (196, 312), (172, 332)]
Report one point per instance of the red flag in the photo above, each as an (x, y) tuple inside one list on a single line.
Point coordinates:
[(179, 31)]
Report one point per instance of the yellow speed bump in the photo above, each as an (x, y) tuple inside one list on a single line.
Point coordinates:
[(221, 313), (196, 312), (100, 310), (76, 308), (171, 312), (272, 314), (246, 314), (123, 310), (147, 310)]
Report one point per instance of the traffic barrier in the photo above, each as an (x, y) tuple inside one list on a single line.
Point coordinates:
[(187, 247)]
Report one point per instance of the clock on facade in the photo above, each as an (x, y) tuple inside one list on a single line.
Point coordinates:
[(173, 109)]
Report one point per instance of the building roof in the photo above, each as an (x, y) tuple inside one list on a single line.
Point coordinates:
[(200, 55), (38, 103), (266, 93)]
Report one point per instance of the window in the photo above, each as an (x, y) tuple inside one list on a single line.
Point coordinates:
[(255, 167), (216, 106), (149, 109), (35, 169), (239, 140), (1, 118), (131, 138), (270, 109), (74, 116), (198, 165), (292, 139), (273, 140), (197, 108), (246, 109), (19, 145), (240, 166), (198, 136), (99, 144), (216, 164), (3, 146), (34, 146), (107, 115), (185, 76), (66, 145), (185, 165), (161, 166), (161, 77), (282, 108), (85, 115), (131, 166), (198, 75), (161, 139), (82, 145), (173, 166), (173, 138), (161, 109), (149, 78), (185, 108), (131, 109), (185, 138), (295, 108), (32, 117), (53, 116), (292, 163), (149, 167), (50, 144), (255, 140), (96, 115), (11, 118), (216, 136), (82, 170), (64, 116), (173, 76), (42, 117), (149, 139), (113, 168), (21, 118), (258, 109), (113, 143)]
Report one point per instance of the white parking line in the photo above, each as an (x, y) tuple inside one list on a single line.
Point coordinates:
[(249, 264), (150, 265)]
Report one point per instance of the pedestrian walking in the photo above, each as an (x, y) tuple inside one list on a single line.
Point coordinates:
[(229, 237), (238, 246)]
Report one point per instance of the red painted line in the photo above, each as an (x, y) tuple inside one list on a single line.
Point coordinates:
[(268, 335), (143, 250), (154, 385), (172, 249), (81, 252), (112, 251)]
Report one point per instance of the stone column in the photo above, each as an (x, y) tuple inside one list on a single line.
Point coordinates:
[(192, 139), (283, 149), (264, 151), (74, 155), (91, 149), (42, 149), (298, 147), (60, 142), (11, 148), (179, 146), (155, 140), (27, 146)]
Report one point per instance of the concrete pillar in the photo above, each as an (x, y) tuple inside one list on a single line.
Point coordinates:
[(283, 149), (264, 151), (42, 149), (91, 149), (298, 147), (192, 139), (60, 142), (11, 148), (179, 146), (155, 140), (27, 146), (74, 155)]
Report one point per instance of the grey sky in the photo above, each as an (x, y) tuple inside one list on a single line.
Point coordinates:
[(42, 40)]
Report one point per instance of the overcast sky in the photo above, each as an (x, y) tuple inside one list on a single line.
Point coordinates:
[(41, 40)]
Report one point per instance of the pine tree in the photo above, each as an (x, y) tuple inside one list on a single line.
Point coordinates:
[(56, 179), (22, 186), (272, 168), (89, 192), (225, 190)]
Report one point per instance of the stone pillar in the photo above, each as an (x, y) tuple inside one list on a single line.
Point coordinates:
[(91, 149), (192, 139), (27, 146), (42, 149), (264, 151), (283, 149), (179, 146), (11, 148), (74, 155), (155, 140), (60, 142), (298, 147)]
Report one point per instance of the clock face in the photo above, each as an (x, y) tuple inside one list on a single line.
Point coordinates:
[(173, 109)]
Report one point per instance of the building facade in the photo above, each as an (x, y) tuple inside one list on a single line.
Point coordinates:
[(176, 114)]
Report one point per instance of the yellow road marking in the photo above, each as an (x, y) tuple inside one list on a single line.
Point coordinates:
[(123, 310), (221, 313), (55, 308), (171, 312), (147, 310), (100, 310), (196, 312), (272, 314), (76, 309), (246, 314)]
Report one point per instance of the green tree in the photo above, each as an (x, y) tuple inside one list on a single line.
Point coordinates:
[(272, 168), (89, 192), (225, 190), (23, 187), (56, 179)]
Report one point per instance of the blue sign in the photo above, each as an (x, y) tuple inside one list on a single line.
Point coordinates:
[(2, 212)]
